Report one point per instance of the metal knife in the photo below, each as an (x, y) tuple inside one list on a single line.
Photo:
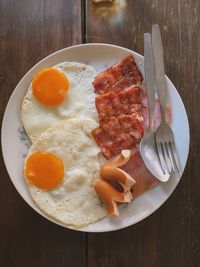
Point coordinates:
[(147, 145), (159, 68)]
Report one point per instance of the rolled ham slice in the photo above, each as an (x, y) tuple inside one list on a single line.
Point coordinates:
[(136, 168)]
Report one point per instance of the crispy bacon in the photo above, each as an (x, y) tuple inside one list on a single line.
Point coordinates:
[(126, 102), (123, 74), (118, 133)]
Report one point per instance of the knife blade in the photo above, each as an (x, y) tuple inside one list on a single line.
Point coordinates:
[(159, 67), (149, 77)]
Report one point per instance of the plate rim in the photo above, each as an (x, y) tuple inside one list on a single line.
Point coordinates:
[(41, 213)]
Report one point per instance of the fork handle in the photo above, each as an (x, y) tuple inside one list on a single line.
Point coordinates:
[(162, 107), (161, 86)]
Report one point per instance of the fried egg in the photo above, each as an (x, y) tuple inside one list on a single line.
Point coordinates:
[(60, 169), (63, 91)]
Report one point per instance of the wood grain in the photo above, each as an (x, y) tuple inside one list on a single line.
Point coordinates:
[(29, 31), (169, 237)]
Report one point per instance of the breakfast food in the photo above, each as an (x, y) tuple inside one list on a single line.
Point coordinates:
[(50, 87), (111, 171), (39, 175), (71, 123), (126, 102), (119, 107), (110, 196), (123, 74), (68, 151), (136, 168), (117, 134), (123, 115), (62, 92)]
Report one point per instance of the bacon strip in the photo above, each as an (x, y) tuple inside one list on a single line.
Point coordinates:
[(126, 102), (119, 133), (123, 74)]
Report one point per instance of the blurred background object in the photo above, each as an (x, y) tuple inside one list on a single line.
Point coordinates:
[(101, 1), (110, 10)]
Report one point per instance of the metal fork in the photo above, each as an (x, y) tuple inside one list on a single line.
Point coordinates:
[(164, 136)]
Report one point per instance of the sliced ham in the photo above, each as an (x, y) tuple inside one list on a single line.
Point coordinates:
[(121, 75), (136, 168)]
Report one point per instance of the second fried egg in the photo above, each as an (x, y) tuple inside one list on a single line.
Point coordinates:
[(60, 169)]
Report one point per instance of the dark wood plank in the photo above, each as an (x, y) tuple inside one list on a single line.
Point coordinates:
[(29, 31), (169, 237)]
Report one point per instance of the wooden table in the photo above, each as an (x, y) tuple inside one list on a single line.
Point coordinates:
[(33, 29)]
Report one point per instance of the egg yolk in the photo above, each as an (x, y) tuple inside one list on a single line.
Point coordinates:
[(44, 170), (50, 87)]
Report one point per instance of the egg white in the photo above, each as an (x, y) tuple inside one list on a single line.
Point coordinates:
[(74, 202), (80, 101)]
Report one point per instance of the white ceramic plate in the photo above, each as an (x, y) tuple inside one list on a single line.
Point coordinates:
[(15, 143)]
